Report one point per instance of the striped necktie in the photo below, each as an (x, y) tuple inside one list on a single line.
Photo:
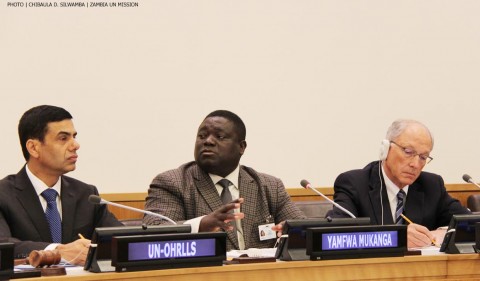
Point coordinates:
[(400, 205)]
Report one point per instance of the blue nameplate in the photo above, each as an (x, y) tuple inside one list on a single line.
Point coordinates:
[(359, 240), (174, 249), (356, 242), (144, 252)]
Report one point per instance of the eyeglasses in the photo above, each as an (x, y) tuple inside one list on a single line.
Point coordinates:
[(410, 153)]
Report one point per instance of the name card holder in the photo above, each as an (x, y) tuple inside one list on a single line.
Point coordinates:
[(6, 260), (460, 237), (292, 244), (99, 256), (347, 242), (162, 251)]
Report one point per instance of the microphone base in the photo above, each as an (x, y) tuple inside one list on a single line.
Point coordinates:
[(288, 253)]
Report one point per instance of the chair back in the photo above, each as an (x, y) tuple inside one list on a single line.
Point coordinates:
[(473, 202)]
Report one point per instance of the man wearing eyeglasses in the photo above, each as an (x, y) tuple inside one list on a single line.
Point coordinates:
[(394, 186)]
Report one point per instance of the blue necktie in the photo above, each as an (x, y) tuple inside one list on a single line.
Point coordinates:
[(52, 215), (400, 202)]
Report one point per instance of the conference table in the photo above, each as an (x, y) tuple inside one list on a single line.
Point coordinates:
[(415, 267)]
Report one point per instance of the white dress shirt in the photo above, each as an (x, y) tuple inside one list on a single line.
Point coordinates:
[(392, 190), (40, 186)]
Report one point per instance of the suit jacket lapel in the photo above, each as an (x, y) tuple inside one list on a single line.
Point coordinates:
[(251, 208), (206, 189), (30, 202), (69, 206), (414, 204), (375, 201)]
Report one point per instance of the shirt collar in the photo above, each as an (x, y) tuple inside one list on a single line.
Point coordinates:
[(232, 177), (39, 185), (392, 189)]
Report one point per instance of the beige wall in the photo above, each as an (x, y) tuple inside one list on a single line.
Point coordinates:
[(316, 82)]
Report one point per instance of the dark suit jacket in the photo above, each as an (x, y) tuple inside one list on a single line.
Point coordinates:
[(22, 218), (188, 192), (427, 203)]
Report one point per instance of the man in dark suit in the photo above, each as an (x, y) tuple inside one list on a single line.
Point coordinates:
[(396, 185), (194, 194), (47, 136)]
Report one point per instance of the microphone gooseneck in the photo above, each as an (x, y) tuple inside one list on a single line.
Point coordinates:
[(95, 199), (307, 185)]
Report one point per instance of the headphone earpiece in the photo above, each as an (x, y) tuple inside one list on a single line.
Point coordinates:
[(384, 147)]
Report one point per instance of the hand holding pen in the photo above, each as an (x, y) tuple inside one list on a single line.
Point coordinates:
[(418, 235)]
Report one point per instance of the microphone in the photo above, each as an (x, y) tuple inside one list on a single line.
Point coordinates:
[(307, 185), (95, 199), (469, 179)]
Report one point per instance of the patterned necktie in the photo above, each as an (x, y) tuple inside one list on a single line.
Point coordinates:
[(226, 196), (52, 215), (400, 202)]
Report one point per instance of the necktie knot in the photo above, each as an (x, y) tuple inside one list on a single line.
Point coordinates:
[(401, 195), (224, 183), (50, 195)]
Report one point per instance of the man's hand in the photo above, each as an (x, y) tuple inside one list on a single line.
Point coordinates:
[(278, 228), (418, 236), (75, 252), (439, 235), (220, 218)]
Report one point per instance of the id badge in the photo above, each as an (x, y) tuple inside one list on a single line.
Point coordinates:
[(265, 232)]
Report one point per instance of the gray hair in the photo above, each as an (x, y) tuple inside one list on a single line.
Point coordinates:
[(399, 125)]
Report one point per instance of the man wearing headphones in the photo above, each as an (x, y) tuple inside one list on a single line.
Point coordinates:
[(396, 185)]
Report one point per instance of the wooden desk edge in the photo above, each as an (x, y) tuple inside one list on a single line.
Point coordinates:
[(387, 267)]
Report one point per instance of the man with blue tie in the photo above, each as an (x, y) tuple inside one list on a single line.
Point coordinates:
[(40, 207), (396, 185)]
